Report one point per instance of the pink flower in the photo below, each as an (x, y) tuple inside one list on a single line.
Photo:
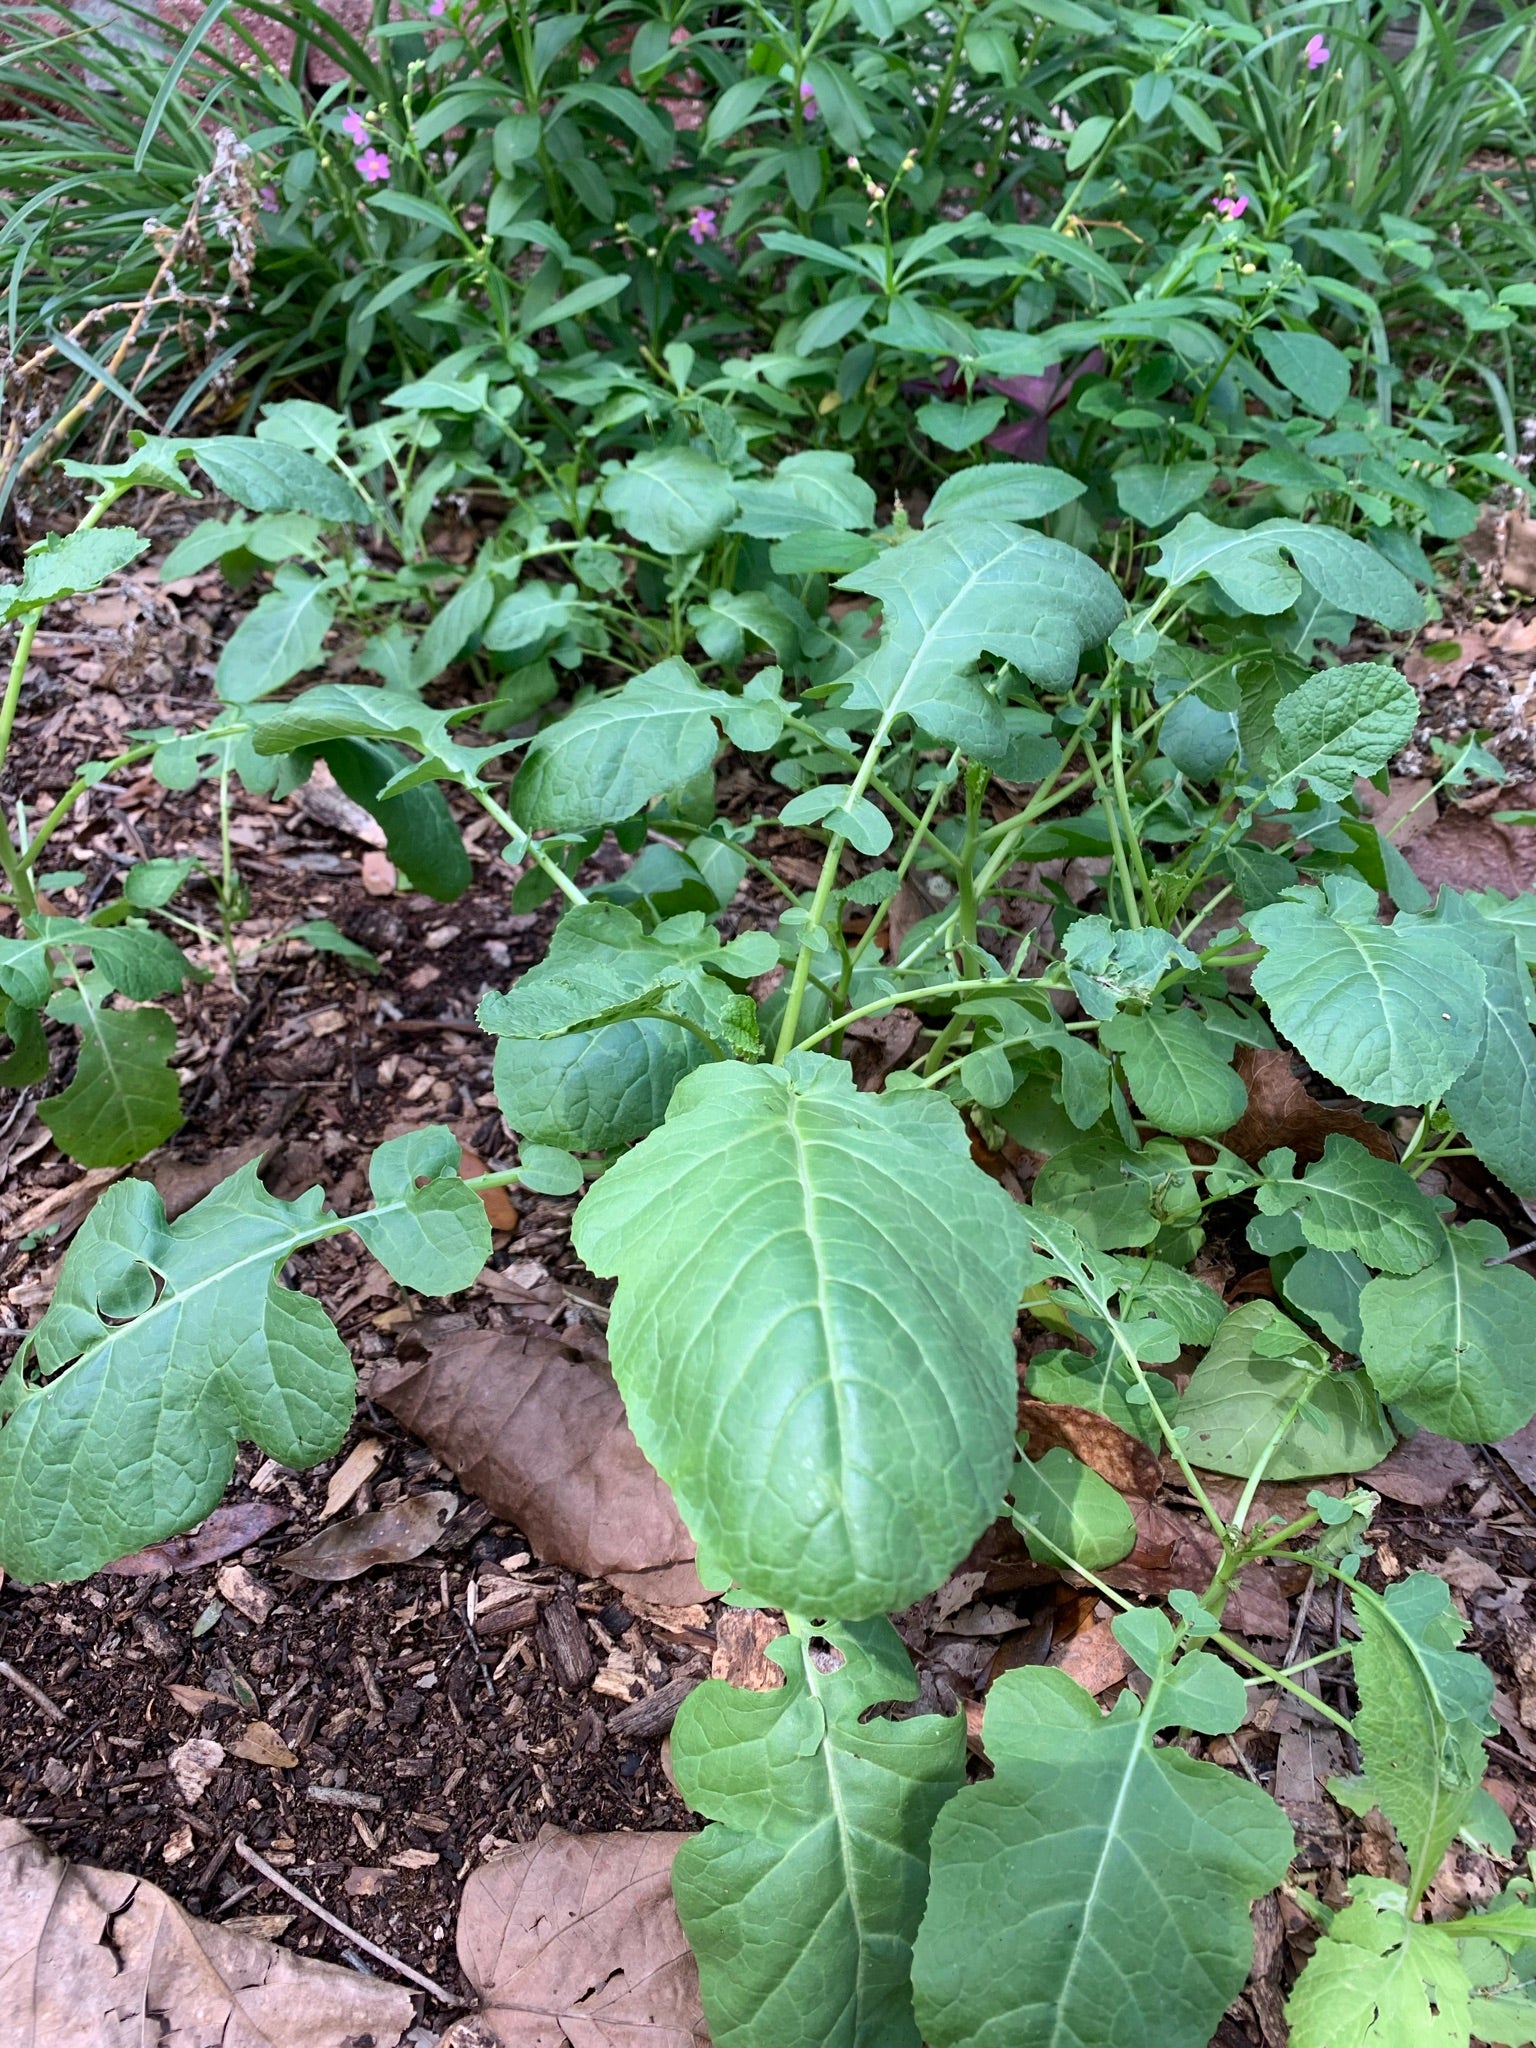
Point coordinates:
[(355, 128), (1316, 53), (438, 7), (266, 198), (1231, 209), (703, 225), (808, 106), (373, 166)]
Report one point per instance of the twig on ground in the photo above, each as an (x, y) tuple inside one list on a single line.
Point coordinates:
[(33, 1692), (244, 1850)]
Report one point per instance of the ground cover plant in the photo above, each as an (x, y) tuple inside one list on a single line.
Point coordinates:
[(993, 544)]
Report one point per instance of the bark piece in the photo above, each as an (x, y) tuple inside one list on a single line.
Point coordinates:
[(85, 1954), (564, 1640), (575, 1938), (245, 1593), (538, 1431), (654, 1715), (192, 1766)]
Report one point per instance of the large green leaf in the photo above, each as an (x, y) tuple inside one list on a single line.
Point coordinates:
[(1339, 724), (1178, 1070), (420, 835), (802, 1901), (332, 711), (590, 1043), (1351, 1201), (1094, 1893), (163, 1346), (817, 491), (609, 757), (1425, 1707), (1494, 1101), (1380, 1979), (965, 588), (124, 1099), (1069, 1515), (266, 476), (1114, 1197), (1152, 493), (65, 564), (1002, 490), (429, 1232), (1248, 564), (1454, 1345), (279, 639), (1263, 1378), (1390, 1012), (813, 1330), (672, 500)]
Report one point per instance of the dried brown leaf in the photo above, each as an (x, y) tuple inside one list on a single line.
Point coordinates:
[(1519, 1453), (742, 1635), (576, 1938), (538, 1432), (235, 1526), (1112, 1452), (1175, 1547), (392, 1535), (1281, 1112), (1423, 1471), (85, 1954), (1093, 1657), (261, 1744), (1464, 851)]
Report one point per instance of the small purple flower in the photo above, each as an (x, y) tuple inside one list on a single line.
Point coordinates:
[(1316, 53), (438, 7), (1229, 208), (355, 128), (373, 166), (808, 107), (703, 225), (266, 198)]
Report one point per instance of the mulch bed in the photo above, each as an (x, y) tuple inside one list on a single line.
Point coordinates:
[(420, 1744)]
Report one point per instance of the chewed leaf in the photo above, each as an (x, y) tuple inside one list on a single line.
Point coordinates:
[(802, 1901), (813, 1329), (1425, 1706), (1381, 1979), (165, 1345), (1104, 1881)]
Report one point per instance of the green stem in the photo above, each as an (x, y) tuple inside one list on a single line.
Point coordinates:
[(536, 853)]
